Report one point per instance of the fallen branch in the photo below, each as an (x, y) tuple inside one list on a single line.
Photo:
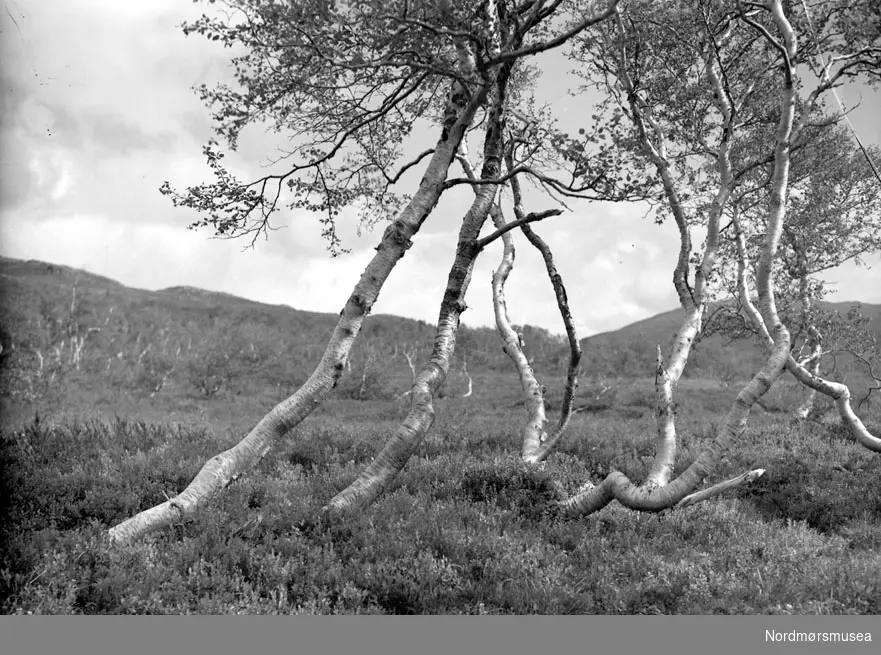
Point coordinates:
[(716, 489)]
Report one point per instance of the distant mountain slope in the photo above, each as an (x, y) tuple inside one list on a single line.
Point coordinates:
[(57, 319), (661, 327), (60, 320), (658, 328), (634, 347)]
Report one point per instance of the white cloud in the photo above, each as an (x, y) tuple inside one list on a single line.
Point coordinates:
[(852, 282), (63, 185), (40, 175), (98, 112), (53, 173)]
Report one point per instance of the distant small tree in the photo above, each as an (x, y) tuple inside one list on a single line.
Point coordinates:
[(409, 354), (369, 379)]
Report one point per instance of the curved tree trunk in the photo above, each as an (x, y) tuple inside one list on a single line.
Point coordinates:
[(482, 65), (538, 451), (650, 498), (837, 391), (616, 486), (533, 432), (840, 393), (535, 443), (803, 411), (567, 404), (224, 468), (389, 462), (692, 300)]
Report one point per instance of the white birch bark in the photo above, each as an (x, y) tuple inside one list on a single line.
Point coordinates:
[(533, 432), (549, 442), (567, 404), (693, 301), (535, 445), (839, 392), (616, 486), (812, 363), (403, 442), (224, 468)]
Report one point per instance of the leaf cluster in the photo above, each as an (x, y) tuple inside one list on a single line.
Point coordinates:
[(341, 84)]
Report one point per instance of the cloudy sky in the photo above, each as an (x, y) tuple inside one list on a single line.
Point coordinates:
[(98, 111)]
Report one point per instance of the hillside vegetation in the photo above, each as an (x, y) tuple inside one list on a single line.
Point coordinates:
[(114, 397), (61, 325)]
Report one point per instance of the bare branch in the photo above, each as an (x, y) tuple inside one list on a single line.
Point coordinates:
[(556, 41), (532, 217), (566, 408), (776, 44), (721, 487), (408, 166)]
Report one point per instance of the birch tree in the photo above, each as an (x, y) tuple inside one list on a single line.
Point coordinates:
[(590, 167), (695, 76), (741, 49), (689, 86), (345, 84), (835, 217), (684, 78)]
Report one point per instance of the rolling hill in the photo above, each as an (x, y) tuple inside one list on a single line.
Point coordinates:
[(660, 327), (63, 323), (634, 347)]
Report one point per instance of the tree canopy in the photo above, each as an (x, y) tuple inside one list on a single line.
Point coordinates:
[(713, 112)]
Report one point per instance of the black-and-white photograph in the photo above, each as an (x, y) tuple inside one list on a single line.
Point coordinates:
[(441, 307)]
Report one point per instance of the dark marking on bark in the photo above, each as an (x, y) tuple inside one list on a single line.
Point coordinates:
[(459, 97), (362, 303), (338, 369), (395, 233)]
